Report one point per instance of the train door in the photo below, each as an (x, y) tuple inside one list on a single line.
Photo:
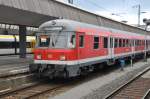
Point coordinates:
[(81, 45), (133, 46), (111, 47)]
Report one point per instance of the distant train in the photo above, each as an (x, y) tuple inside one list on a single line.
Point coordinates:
[(9, 44), (68, 48)]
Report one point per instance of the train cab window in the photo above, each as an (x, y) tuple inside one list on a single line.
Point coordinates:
[(116, 43), (105, 40), (81, 41), (72, 41), (44, 41), (96, 43)]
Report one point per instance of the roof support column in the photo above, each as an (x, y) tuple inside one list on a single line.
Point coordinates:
[(22, 42)]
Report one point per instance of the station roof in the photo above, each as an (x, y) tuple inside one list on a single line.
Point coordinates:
[(35, 12)]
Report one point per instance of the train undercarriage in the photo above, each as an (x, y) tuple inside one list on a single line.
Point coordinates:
[(65, 71)]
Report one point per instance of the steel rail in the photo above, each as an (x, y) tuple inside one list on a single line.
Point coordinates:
[(147, 95), (42, 92), (127, 83)]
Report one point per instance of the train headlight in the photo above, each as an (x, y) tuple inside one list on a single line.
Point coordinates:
[(39, 56), (62, 57), (49, 55)]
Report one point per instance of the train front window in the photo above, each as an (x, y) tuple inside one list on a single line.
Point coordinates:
[(57, 40), (44, 41), (62, 40)]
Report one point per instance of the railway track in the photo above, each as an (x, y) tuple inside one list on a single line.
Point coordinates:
[(43, 88), (10, 83), (127, 90), (31, 91), (13, 74), (147, 95)]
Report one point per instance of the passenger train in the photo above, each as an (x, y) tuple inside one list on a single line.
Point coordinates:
[(9, 44), (67, 48)]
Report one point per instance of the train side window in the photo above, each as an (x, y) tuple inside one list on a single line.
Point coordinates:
[(116, 42), (127, 43), (146, 43), (81, 41), (96, 43), (124, 42), (131, 42), (135, 42), (28, 45), (138, 42), (120, 43), (6, 45), (111, 42), (105, 40)]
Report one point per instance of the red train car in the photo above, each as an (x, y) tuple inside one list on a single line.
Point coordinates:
[(67, 48)]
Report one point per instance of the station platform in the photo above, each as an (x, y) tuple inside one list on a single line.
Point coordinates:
[(102, 86), (11, 65)]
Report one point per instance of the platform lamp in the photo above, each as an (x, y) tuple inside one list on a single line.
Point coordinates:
[(147, 23)]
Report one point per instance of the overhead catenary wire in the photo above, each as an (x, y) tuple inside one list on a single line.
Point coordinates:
[(97, 5)]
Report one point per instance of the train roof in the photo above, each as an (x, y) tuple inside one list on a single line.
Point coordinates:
[(70, 25)]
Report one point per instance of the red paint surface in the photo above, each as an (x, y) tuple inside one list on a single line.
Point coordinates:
[(87, 51)]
